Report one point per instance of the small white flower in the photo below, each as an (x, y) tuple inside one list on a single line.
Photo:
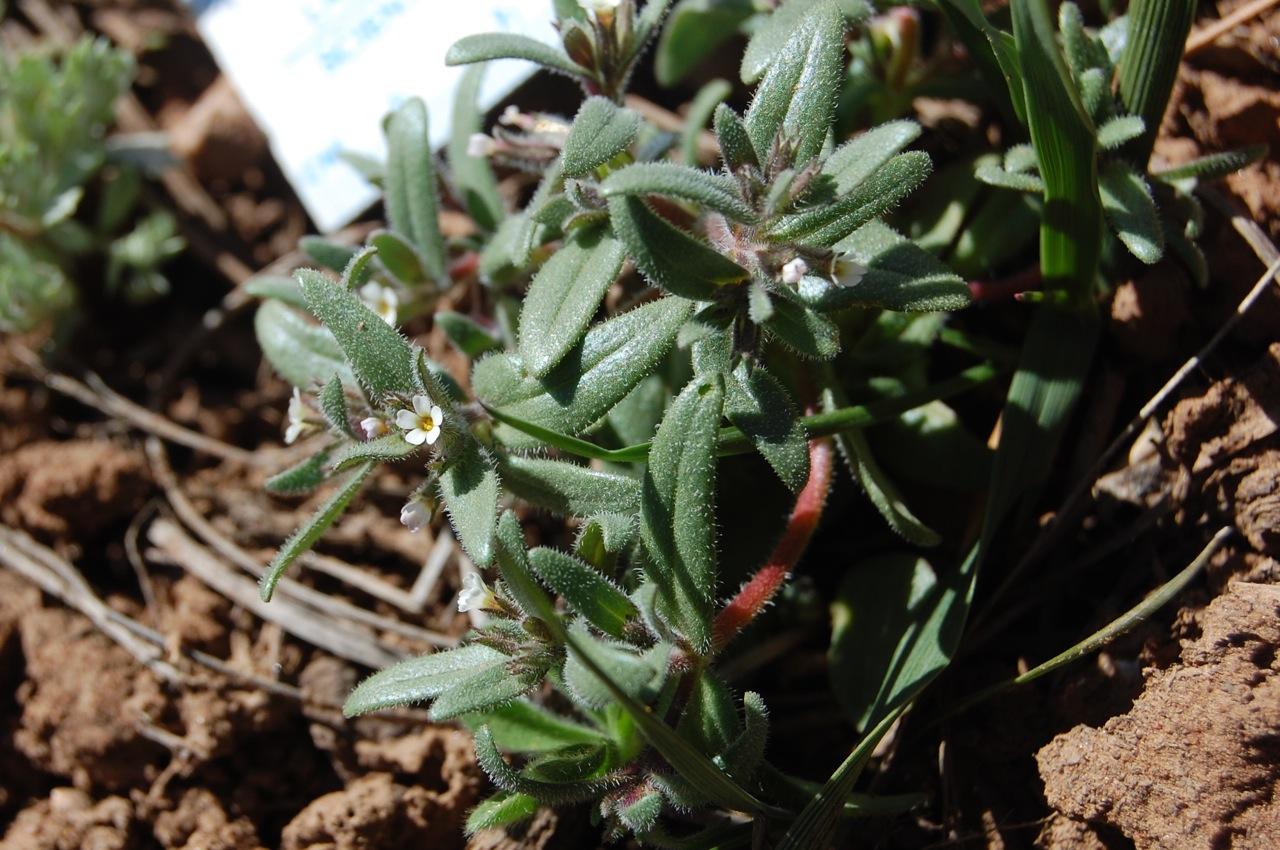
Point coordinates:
[(475, 595), (373, 427), (479, 145), (599, 6), (381, 300), (422, 424), (846, 271), (510, 116), (299, 422), (794, 271), (415, 515)]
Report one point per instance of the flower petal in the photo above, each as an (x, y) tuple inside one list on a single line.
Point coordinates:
[(433, 434), (422, 404), (416, 437)]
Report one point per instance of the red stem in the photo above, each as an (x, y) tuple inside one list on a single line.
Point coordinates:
[(1006, 288), (756, 593)]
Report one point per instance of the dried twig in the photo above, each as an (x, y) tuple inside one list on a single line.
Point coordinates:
[(107, 401), (1211, 33), (322, 603), (44, 568), (339, 638)]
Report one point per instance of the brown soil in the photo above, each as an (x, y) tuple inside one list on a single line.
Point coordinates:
[(101, 750), (1193, 766)]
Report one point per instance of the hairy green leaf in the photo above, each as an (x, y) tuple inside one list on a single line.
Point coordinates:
[(306, 536), (386, 449), (639, 675), (677, 509), (858, 158), (592, 378), (759, 406), (508, 779), (466, 333), (827, 224), (469, 488), (802, 329), (522, 727), (1119, 130), (485, 689), (302, 353), (488, 46), (513, 565), (735, 144), (701, 108), (379, 356), (600, 131), (569, 489), (1214, 165), (899, 275), (411, 194), (694, 30), (704, 188), (564, 295), (473, 178), (797, 96), (1019, 181), (587, 592), (333, 404), (302, 477), (419, 679), (502, 809), (771, 37), (1131, 211), (332, 255), (670, 258)]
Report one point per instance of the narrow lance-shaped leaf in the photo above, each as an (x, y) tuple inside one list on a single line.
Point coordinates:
[(386, 449), (302, 353), (735, 144), (706, 189), (473, 178), (400, 259), (508, 779), (899, 275), (858, 158), (333, 404), (469, 489), (489, 688), (587, 592), (1131, 211), (523, 727), (701, 108), (769, 39), (670, 258), (797, 96), (513, 565), (466, 333), (487, 46), (378, 355), (829, 223), (420, 679), (302, 477), (759, 406), (802, 329), (874, 482), (502, 809), (596, 375), (676, 508), (694, 30), (1214, 165), (306, 536), (567, 488), (411, 195), (564, 295), (600, 131)]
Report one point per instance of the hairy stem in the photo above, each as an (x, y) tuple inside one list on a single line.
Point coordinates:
[(760, 588)]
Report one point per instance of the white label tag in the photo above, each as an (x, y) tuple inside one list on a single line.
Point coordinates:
[(319, 76)]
